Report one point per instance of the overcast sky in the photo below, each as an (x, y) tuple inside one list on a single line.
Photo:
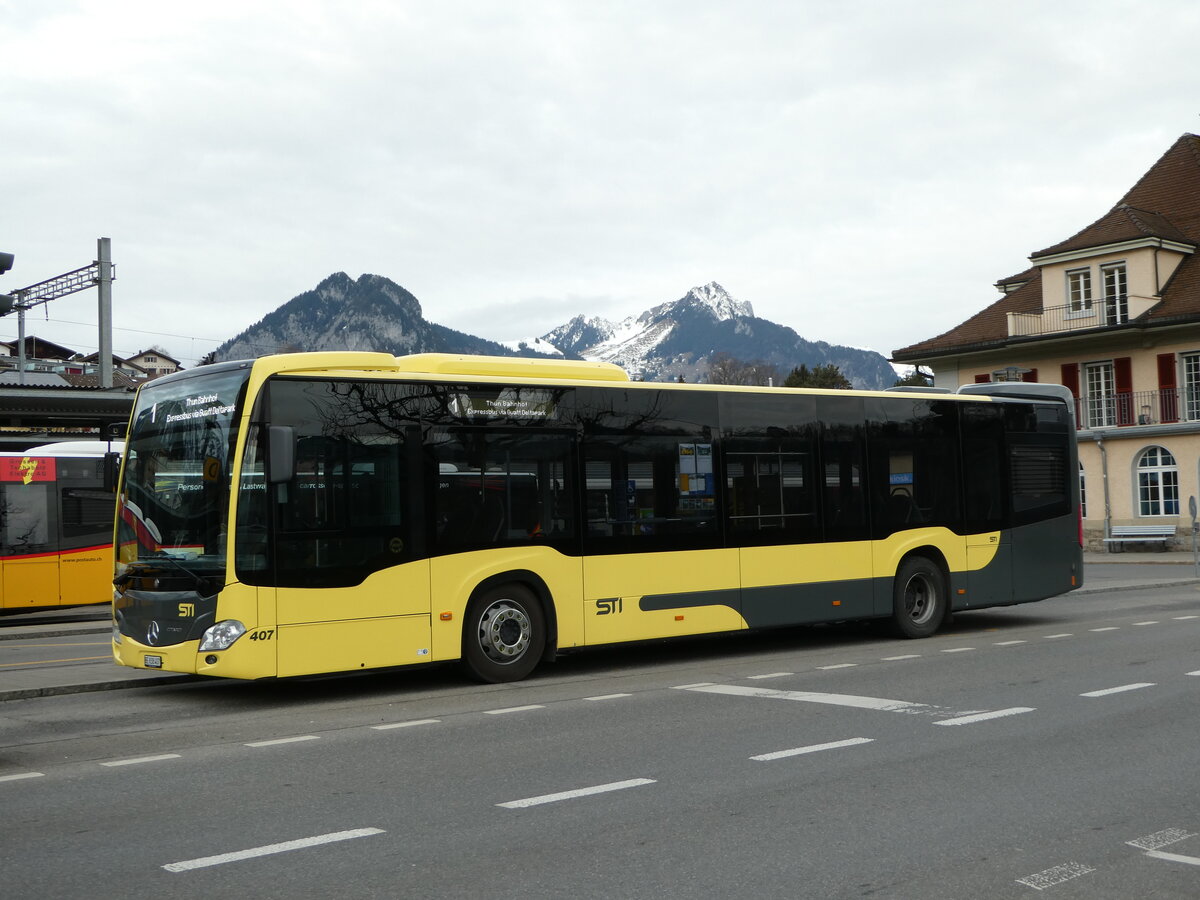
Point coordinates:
[(861, 171)]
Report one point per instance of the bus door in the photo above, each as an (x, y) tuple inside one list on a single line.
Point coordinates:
[(653, 562), (345, 584), (28, 554)]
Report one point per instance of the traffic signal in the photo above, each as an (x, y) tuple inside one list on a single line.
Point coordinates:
[(7, 301), (6, 261)]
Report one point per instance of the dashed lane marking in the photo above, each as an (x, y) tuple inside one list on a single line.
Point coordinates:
[(512, 709), (141, 759), (1039, 881), (840, 666), (770, 675), (972, 718), (22, 776), (1119, 690), (904, 656), (1106, 628), (574, 794), (958, 649), (1174, 857), (814, 748), (287, 740), (1146, 623), (1009, 643), (1055, 637), (408, 724), (1160, 839), (1184, 618), (852, 700), (608, 697), (203, 862)]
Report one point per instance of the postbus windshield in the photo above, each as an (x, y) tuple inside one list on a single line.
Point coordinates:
[(174, 498)]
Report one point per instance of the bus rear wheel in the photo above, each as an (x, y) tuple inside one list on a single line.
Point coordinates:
[(505, 634), (918, 598)]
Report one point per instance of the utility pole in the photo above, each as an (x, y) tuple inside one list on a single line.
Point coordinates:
[(99, 274)]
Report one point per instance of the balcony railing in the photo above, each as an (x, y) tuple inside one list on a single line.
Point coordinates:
[(1100, 313), (1162, 407)]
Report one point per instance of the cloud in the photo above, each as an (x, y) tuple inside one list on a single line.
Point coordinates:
[(862, 172)]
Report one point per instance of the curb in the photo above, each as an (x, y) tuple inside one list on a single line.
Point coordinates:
[(59, 690), (1131, 586)]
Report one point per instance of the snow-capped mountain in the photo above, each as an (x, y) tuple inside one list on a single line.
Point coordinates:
[(663, 343), (679, 338)]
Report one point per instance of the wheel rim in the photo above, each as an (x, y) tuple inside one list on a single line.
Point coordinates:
[(505, 631), (920, 599)]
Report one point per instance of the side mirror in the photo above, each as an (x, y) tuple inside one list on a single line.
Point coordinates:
[(112, 469), (281, 454)]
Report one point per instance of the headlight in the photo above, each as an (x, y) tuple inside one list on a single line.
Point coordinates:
[(222, 635)]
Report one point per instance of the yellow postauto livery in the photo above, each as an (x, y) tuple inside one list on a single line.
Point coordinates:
[(323, 512)]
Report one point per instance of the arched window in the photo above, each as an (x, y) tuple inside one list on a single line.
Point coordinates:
[(1082, 493), (1158, 483)]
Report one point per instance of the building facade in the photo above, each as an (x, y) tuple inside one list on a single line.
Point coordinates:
[(1113, 313)]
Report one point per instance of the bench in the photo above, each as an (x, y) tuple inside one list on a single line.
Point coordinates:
[(1124, 534)]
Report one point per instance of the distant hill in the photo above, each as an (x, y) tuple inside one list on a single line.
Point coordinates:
[(662, 343)]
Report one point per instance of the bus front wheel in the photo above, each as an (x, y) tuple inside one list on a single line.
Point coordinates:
[(918, 598), (505, 634)]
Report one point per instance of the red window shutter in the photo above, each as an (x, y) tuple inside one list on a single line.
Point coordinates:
[(983, 379), (1123, 376), (1168, 393), (1070, 377), (1030, 376)]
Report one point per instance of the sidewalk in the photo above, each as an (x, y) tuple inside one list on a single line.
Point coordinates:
[(1102, 572)]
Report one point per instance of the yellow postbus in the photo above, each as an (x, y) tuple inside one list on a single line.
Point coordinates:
[(56, 526), (325, 512)]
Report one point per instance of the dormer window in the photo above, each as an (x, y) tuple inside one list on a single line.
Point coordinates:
[(1079, 292), (1116, 294)]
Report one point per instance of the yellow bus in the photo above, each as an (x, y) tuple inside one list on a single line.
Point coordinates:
[(325, 512), (56, 526)]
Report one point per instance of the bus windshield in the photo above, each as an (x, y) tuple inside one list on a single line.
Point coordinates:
[(174, 497)]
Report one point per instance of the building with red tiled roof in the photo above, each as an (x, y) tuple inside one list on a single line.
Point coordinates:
[(1113, 312)]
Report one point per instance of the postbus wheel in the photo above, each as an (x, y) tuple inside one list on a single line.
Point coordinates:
[(505, 633), (918, 598)]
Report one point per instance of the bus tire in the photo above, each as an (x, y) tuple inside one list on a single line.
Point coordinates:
[(919, 599), (504, 634)]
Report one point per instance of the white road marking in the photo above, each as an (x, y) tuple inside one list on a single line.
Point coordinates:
[(1145, 623), (1160, 839), (692, 687), (1108, 628), (205, 861), (984, 716), (958, 649), (905, 656), (512, 709), (140, 760), (579, 792), (1118, 690), (840, 666), (1009, 643), (1174, 857), (287, 740), (879, 703), (770, 675), (405, 724), (1194, 673), (1039, 881), (814, 748), (608, 697), (22, 776), (1184, 618), (1055, 637)]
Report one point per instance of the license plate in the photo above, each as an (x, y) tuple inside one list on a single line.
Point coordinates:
[(152, 662)]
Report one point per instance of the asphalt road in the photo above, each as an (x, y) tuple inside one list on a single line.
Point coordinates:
[(1047, 750)]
